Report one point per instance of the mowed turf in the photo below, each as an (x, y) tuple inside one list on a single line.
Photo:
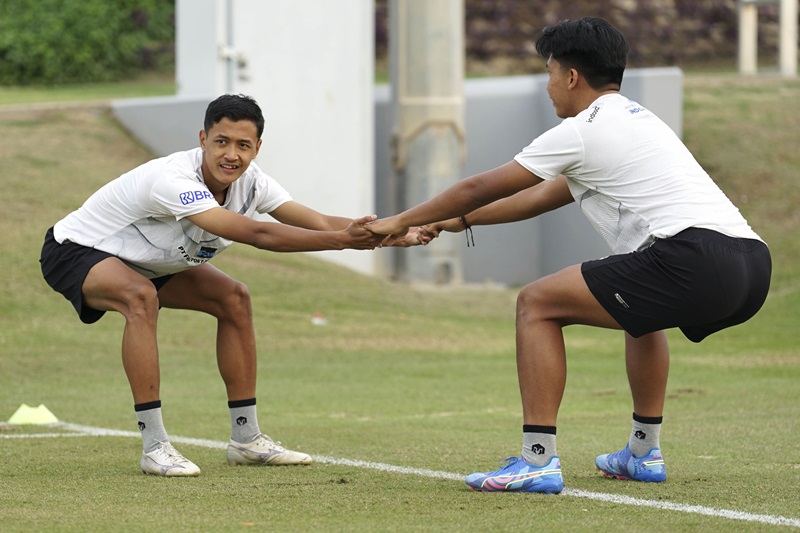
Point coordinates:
[(409, 377)]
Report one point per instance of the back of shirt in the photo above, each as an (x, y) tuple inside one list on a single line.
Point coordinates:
[(632, 176)]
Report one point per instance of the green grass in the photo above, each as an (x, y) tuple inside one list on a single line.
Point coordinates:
[(147, 84), (408, 377)]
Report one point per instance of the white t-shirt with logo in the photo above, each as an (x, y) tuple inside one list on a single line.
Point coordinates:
[(140, 217), (632, 176)]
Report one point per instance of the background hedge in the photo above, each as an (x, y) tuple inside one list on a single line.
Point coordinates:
[(500, 33), (69, 41)]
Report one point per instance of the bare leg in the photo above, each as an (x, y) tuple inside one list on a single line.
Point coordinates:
[(541, 368), (113, 286), (647, 363), (208, 289), (544, 307)]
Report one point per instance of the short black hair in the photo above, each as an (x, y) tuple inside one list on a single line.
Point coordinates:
[(235, 107), (590, 45)]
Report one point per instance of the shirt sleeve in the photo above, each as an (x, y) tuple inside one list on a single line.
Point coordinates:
[(181, 196), (269, 193), (556, 151)]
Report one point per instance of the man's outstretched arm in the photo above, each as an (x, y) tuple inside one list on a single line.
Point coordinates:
[(279, 237)]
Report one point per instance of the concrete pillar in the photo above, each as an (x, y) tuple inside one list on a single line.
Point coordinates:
[(748, 37), (427, 72), (788, 38)]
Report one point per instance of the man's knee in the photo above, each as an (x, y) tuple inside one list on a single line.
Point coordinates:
[(530, 301), (236, 302), (548, 298), (140, 299)]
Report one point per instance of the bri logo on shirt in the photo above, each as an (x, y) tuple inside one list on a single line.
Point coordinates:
[(193, 196)]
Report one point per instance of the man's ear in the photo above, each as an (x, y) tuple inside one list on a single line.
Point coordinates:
[(202, 139), (573, 78)]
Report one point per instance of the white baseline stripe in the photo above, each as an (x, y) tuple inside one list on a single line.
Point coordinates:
[(80, 430), (685, 508)]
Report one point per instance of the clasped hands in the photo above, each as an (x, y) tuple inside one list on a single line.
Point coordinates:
[(394, 233)]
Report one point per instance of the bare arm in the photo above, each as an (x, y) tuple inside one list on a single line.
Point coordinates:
[(528, 203), (295, 214), (285, 238), (464, 197)]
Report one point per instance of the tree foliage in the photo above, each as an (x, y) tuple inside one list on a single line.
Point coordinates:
[(69, 41)]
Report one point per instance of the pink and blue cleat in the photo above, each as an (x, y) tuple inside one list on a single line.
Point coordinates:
[(624, 465), (520, 476)]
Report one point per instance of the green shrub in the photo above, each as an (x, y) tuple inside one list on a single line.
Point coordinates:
[(72, 41)]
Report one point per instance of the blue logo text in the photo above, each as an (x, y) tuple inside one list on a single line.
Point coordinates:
[(193, 196)]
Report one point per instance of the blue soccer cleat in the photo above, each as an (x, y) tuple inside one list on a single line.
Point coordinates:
[(520, 476), (624, 465)]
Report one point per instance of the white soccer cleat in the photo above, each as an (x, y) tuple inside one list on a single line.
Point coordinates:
[(264, 451), (166, 461)]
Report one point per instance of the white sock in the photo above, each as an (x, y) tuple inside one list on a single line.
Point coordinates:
[(148, 415), (244, 422), (645, 434), (538, 444)]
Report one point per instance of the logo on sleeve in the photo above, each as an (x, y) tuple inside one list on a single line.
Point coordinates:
[(190, 197)]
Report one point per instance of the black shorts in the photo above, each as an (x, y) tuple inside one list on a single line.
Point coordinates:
[(699, 280), (65, 266)]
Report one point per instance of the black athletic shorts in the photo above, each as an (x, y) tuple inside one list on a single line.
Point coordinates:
[(65, 266), (699, 280)]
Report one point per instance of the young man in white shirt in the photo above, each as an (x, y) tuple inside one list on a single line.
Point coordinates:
[(684, 255), (143, 242)]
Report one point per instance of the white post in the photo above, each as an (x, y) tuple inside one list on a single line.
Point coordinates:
[(309, 63), (788, 38), (748, 38), (199, 35)]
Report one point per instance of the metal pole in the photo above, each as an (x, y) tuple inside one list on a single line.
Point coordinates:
[(427, 73)]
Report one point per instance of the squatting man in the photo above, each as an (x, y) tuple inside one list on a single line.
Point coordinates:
[(143, 242), (683, 254)]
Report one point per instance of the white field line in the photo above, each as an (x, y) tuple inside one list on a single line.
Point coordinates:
[(89, 431)]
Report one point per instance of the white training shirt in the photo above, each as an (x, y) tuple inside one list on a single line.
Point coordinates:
[(632, 176), (140, 217)]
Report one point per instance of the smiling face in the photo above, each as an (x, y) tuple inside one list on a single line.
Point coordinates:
[(228, 148)]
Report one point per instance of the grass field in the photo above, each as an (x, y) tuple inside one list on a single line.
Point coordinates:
[(405, 390), (148, 84)]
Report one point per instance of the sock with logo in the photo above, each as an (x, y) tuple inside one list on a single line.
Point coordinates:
[(244, 423), (645, 434), (148, 415), (538, 444)]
